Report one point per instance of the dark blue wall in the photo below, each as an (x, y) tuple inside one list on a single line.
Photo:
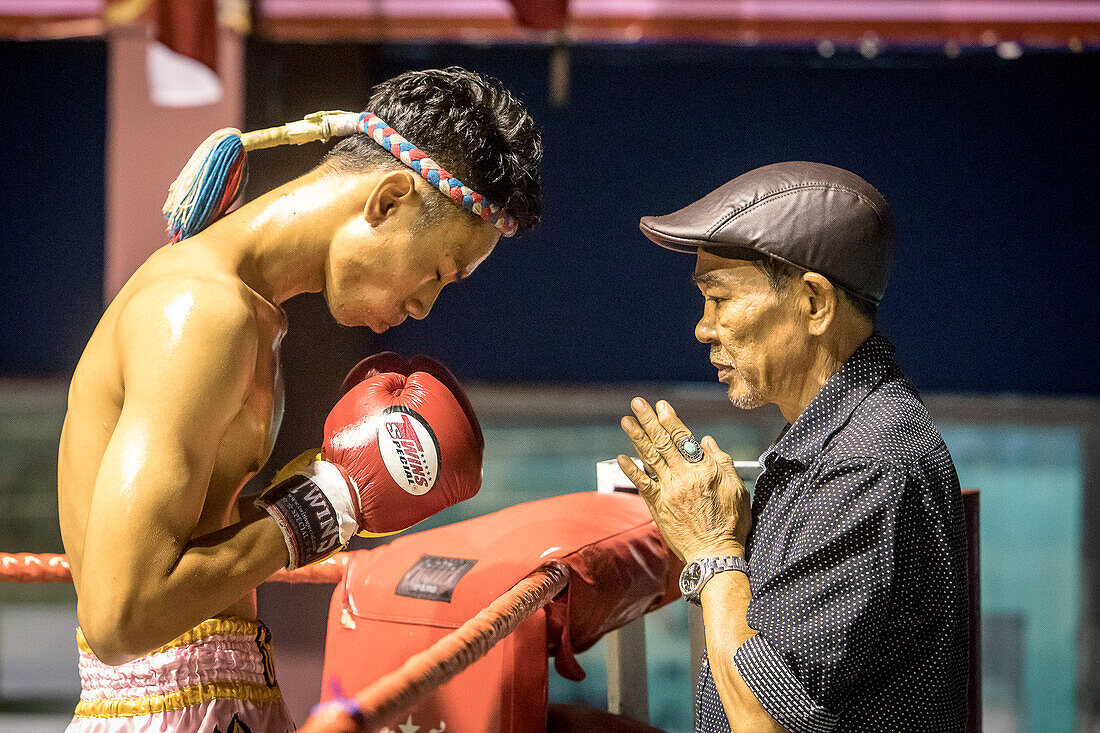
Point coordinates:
[(990, 165), (53, 106)]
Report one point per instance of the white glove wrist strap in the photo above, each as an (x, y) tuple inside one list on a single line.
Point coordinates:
[(339, 491), (314, 511)]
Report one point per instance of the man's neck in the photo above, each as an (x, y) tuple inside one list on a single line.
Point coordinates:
[(278, 243), (826, 357)]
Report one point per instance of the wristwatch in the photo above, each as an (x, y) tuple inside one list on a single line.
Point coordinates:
[(697, 572)]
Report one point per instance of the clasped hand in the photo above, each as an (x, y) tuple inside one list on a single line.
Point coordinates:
[(701, 508)]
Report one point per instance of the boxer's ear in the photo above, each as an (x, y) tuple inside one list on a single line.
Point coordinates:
[(391, 190)]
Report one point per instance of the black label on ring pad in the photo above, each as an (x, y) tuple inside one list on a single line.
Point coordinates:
[(433, 578)]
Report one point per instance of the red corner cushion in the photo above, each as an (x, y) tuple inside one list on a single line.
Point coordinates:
[(619, 568)]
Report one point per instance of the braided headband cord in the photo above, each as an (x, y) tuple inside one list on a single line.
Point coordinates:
[(435, 174), (214, 176)]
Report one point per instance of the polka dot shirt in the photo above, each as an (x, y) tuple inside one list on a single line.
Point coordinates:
[(857, 566)]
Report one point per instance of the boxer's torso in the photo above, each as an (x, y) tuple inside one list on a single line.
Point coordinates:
[(97, 394)]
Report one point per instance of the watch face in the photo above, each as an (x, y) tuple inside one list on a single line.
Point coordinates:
[(689, 579)]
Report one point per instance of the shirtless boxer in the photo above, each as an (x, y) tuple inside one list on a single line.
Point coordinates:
[(177, 399)]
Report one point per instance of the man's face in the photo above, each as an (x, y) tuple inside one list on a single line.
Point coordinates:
[(379, 276), (752, 332)]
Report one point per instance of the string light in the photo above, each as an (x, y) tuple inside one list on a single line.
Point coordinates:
[(869, 45), (1009, 50)]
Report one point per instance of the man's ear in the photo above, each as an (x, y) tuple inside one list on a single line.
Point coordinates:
[(819, 302), (389, 192)]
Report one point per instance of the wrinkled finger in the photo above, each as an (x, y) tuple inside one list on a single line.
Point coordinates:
[(648, 469), (723, 459), (685, 443), (642, 443), (646, 486), (669, 420), (658, 436), (651, 495)]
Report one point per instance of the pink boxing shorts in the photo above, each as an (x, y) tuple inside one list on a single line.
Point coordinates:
[(216, 678)]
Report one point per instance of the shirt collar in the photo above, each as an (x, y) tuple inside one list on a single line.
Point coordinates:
[(831, 408)]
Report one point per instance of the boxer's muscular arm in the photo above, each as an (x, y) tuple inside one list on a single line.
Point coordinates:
[(188, 356)]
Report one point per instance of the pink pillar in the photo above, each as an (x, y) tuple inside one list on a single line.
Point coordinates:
[(147, 146)]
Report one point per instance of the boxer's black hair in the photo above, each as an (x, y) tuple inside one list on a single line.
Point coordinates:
[(780, 275), (469, 124)]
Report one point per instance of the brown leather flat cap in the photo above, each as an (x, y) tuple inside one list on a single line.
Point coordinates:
[(815, 216)]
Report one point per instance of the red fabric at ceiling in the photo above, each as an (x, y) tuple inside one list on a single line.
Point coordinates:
[(189, 27), (541, 14), (1044, 23)]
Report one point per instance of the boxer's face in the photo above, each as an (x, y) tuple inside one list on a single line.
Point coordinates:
[(380, 275), (753, 333)]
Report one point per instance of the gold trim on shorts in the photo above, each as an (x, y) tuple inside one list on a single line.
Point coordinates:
[(255, 692), (228, 626), (178, 700)]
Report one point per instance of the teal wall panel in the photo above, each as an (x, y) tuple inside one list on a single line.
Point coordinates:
[(1030, 480)]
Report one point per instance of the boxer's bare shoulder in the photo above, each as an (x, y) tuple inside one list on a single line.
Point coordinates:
[(174, 405)]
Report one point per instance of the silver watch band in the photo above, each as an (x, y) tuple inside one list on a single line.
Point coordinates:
[(711, 566), (727, 562)]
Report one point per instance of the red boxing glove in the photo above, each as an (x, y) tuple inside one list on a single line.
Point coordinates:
[(380, 363), (407, 438), (399, 446)]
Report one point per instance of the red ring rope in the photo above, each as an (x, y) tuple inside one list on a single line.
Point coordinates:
[(393, 694), (27, 567)]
